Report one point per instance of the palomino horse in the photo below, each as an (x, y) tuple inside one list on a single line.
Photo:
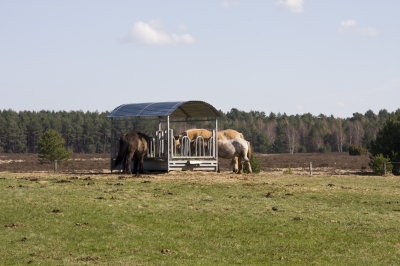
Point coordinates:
[(205, 134), (132, 144), (238, 148), (232, 134)]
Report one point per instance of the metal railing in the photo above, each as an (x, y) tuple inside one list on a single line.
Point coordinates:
[(197, 148)]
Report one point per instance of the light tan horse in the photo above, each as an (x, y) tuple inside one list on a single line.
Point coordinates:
[(235, 148), (226, 134), (232, 134)]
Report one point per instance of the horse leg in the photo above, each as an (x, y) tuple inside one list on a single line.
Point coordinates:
[(128, 160), (235, 165), (135, 165), (243, 161), (126, 165), (123, 166), (240, 165), (249, 167), (141, 162)]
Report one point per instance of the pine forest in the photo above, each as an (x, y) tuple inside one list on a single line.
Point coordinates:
[(90, 132)]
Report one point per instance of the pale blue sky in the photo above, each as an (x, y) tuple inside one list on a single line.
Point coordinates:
[(334, 57)]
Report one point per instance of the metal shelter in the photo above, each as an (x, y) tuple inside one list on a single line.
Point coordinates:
[(163, 155)]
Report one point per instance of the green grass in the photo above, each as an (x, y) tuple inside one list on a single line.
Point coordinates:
[(319, 220)]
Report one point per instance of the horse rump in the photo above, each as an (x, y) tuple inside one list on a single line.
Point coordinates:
[(132, 144), (122, 152)]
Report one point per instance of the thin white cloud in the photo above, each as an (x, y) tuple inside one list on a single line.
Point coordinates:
[(182, 26), (294, 6), (228, 4), (361, 103), (151, 34), (348, 23), (350, 26), (299, 107), (341, 105)]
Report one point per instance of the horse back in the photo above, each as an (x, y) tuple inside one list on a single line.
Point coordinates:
[(192, 134), (137, 142), (229, 134), (233, 148)]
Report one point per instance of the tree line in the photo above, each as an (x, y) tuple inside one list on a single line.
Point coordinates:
[(90, 132)]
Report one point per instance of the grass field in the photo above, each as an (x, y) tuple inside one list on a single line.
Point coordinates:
[(190, 218)]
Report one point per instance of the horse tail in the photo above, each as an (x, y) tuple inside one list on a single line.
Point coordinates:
[(249, 150), (249, 156), (122, 152)]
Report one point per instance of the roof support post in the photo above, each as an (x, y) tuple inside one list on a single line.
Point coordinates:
[(166, 144), (112, 148), (216, 143)]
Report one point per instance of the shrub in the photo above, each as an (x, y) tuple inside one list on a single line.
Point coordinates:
[(345, 147), (302, 149), (376, 164), (51, 148), (357, 150), (322, 150), (288, 170), (325, 149), (254, 162), (91, 148)]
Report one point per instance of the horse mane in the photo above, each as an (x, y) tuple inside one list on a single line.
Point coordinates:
[(142, 135)]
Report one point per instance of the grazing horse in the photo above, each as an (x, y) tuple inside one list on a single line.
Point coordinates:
[(232, 134), (193, 134), (232, 148), (135, 145)]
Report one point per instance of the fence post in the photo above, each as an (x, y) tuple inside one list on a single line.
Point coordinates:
[(310, 168), (384, 168), (55, 166)]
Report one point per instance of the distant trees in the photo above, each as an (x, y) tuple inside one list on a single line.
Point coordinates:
[(338, 134), (83, 132), (90, 132), (387, 143)]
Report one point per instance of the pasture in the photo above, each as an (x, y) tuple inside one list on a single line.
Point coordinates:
[(196, 218)]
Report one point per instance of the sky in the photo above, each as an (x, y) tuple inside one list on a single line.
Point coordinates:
[(331, 57)]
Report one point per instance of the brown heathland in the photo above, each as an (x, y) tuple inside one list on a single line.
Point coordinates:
[(91, 163)]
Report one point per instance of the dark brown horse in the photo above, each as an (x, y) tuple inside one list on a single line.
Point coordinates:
[(132, 144)]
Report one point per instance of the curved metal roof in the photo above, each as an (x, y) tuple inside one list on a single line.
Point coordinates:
[(188, 109)]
